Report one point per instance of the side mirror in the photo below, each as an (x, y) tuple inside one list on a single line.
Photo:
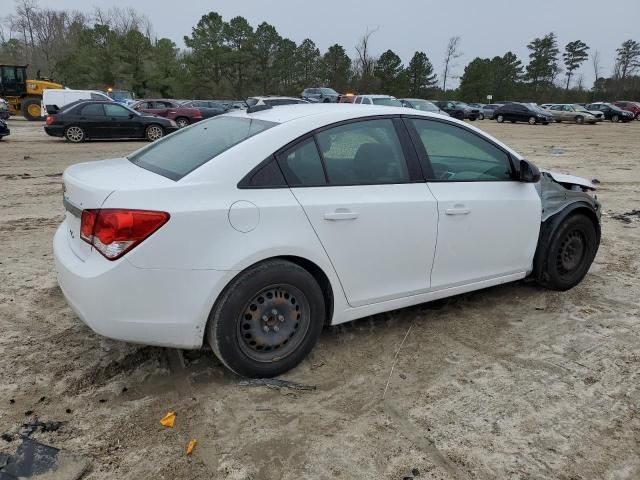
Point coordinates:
[(131, 115), (529, 173)]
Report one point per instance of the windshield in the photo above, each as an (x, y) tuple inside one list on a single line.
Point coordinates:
[(424, 106), (121, 95), (387, 102), (179, 154), (329, 91)]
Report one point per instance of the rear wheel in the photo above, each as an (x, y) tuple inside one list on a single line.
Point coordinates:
[(615, 118), (481, 116), (532, 120), (569, 254), (579, 120), (74, 134), (31, 109), (267, 320), (154, 132), (182, 122), (499, 119)]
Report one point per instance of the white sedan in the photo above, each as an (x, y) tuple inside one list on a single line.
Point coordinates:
[(254, 229)]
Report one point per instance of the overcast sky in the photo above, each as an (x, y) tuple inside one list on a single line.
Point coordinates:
[(487, 27)]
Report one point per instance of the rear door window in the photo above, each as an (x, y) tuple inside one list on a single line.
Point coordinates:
[(92, 110), (302, 165), (363, 153), (177, 155)]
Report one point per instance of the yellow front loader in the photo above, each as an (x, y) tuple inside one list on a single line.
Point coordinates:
[(23, 95)]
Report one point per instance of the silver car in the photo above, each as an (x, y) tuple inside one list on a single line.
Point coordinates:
[(487, 110), (568, 112)]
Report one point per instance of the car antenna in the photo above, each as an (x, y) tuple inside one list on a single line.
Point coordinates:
[(258, 108)]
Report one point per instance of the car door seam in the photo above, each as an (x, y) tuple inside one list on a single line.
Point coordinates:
[(435, 248), (322, 245)]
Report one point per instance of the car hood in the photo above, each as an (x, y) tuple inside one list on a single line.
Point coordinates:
[(570, 179)]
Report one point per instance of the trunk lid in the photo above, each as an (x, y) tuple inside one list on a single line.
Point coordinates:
[(88, 185)]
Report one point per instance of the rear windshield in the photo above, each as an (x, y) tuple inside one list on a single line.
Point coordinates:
[(179, 154)]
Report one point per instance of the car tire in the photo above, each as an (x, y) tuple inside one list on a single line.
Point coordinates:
[(75, 134), (532, 120), (579, 120), (499, 119), (182, 122), (568, 252), (481, 116), (615, 118), (153, 132), (267, 319), (638, 116), (512, 121)]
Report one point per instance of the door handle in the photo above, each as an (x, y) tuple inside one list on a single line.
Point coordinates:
[(341, 215), (458, 210)]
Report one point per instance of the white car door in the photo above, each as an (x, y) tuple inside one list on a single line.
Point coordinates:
[(373, 214), (488, 222)]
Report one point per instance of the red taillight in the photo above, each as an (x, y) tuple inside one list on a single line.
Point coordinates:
[(50, 119), (115, 231)]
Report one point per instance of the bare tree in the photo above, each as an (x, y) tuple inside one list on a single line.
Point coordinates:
[(122, 20), (365, 62), (451, 54), (595, 62)]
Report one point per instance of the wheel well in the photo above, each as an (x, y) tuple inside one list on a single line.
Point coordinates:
[(317, 273), (550, 225), (321, 278)]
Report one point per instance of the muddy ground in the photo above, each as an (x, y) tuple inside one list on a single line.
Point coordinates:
[(513, 382)]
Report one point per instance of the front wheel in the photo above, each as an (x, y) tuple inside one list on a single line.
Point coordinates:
[(532, 120), (499, 119), (570, 252), (267, 320), (153, 133)]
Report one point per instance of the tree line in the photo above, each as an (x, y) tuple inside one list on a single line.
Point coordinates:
[(232, 59)]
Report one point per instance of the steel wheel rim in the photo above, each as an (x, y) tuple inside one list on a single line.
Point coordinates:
[(571, 252), (75, 134), (154, 133), (273, 323)]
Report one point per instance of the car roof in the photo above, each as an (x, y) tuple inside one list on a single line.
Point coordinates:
[(272, 97), (375, 95), (289, 113)]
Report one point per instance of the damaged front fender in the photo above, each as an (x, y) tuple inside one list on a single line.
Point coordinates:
[(558, 191)]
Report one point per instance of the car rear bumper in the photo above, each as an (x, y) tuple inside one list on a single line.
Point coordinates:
[(161, 307), (54, 130)]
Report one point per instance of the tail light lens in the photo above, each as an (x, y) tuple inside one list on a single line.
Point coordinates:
[(114, 232), (50, 119)]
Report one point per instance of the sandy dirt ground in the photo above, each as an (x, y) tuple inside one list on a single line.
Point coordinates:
[(512, 382)]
